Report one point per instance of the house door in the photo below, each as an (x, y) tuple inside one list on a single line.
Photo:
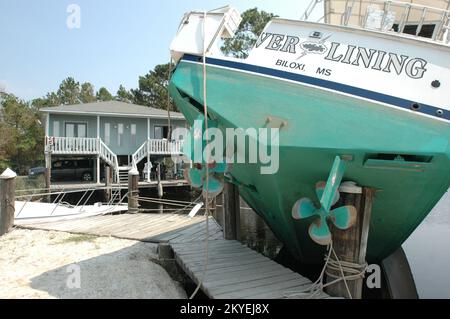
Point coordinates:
[(161, 132), (76, 129)]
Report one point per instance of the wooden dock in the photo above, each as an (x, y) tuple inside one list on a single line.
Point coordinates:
[(154, 228), (233, 269)]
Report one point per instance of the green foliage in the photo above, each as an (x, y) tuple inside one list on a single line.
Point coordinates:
[(104, 95), (252, 25), (124, 96), (87, 93), (153, 88), (22, 134), (69, 92)]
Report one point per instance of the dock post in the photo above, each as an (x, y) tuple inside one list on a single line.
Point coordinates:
[(97, 169), (48, 175), (7, 200), (133, 190), (350, 245), (107, 191), (231, 212), (159, 186)]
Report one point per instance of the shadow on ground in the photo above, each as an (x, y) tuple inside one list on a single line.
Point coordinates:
[(127, 273)]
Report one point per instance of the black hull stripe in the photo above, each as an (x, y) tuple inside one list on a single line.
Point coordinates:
[(367, 94)]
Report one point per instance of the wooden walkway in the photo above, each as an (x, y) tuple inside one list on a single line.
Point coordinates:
[(154, 228), (238, 272), (234, 270)]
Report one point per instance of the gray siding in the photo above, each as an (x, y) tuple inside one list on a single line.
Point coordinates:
[(91, 122), (128, 143)]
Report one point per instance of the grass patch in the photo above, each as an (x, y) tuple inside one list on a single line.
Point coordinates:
[(74, 239)]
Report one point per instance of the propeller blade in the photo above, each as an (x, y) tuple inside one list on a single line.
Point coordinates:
[(333, 182), (214, 187), (219, 167), (319, 232), (303, 208), (194, 177), (320, 187), (344, 217)]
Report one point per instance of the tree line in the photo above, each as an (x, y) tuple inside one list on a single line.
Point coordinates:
[(22, 124)]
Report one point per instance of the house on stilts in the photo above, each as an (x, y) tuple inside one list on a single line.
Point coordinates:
[(115, 134)]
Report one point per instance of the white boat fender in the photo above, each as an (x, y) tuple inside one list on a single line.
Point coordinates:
[(195, 210)]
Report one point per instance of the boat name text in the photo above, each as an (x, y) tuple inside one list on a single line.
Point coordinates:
[(373, 59)]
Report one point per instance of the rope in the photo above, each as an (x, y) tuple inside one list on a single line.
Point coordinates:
[(207, 212), (157, 202), (348, 271), (169, 73), (165, 200)]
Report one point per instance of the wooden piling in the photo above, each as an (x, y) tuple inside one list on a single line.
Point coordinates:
[(231, 212), (48, 175), (107, 191), (133, 190), (7, 201), (159, 186), (350, 245)]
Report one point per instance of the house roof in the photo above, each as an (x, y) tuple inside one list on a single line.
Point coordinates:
[(112, 108)]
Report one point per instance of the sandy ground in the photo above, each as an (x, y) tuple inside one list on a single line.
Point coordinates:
[(47, 264)]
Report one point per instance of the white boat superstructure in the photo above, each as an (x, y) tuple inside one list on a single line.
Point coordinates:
[(416, 18)]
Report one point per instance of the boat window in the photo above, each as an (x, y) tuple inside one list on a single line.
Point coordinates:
[(426, 31)]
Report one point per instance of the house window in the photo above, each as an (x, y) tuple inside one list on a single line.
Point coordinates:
[(107, 133), (133, 134), (76, 129), (119, 134), (56, 128)]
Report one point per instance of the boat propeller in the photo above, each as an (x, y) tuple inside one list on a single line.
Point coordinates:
[(342, 217), (196, 176), (206, 175)]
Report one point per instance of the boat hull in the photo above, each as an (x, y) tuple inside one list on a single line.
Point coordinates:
[(320, 125)]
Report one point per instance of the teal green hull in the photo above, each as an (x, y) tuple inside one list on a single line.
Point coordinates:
[(321, 125)]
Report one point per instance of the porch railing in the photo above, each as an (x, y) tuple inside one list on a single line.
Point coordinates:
[(71, 145), (109, 157), (82, 146), (156, 147), (165, 147)]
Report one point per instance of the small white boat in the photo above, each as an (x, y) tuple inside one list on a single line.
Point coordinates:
[(37, 212)]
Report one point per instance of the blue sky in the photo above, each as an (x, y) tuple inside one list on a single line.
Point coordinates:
[(118, 40)]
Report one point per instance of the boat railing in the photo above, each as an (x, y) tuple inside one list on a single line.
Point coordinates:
[(116, 198), (417, 20)]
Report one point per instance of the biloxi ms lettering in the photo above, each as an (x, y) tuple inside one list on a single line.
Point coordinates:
[(373, 59)]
